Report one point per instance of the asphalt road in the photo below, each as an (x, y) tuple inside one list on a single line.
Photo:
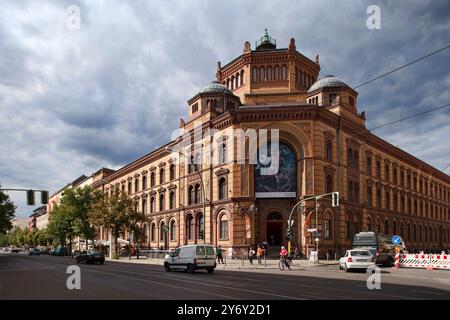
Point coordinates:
[(44, 277)]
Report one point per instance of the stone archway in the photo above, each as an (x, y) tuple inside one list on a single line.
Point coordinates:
[(274, 228)]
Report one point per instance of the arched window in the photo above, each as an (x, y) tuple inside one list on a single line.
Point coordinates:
[(401, 230), (242, 77), (350, 191), (420, 233), (152, 179), (190, 166), (190, 227), (144, 206), (283, 72), (355, 224), (327, 226), (223, 227), (232, 83), (161, 202), (255, 74), (197, 194), (222, 188), (129, 187), (386, 227), (276, 73), (329, 183), (161, 176), (369, 224), (261, 74), (173, 230), (329, 150), (172, 200), (200, 227), (136, 184), (191, 196), (161, 231), (269, 73), (236, 81), (145, 233), (347, 227), (152, 205), (153, 232), (197, 162), (144, 183), (394, 227), (378, 226), (223, 153), (172, 172)]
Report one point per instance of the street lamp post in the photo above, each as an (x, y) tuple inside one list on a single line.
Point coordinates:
[(203, 188)]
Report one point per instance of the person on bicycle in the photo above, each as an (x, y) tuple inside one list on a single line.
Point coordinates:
[(284, 257)]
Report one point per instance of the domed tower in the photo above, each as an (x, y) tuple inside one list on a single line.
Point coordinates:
[(214, 99), (267, 74), (335, 95)]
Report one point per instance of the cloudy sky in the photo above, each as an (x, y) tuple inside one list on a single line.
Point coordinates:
[(74, 100)]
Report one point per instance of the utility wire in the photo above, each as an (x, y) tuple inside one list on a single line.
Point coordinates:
[(409, 117), (403, 66)]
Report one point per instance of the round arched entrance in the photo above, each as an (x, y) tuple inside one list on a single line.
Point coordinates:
[(274, 230)]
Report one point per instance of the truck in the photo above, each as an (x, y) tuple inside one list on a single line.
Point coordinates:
[(379, 245)]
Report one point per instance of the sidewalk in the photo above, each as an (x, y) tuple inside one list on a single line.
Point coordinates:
[(234, 264)]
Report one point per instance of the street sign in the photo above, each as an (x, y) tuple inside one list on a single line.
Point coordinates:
[(396, 240), (165, 229), (312, 230), (291, 223)]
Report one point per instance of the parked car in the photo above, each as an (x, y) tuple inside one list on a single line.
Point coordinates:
[(45, 251), (16, 250), (357, 259), (90, 256), (190, 258), (76, 253), (61, 251), (34, 252)]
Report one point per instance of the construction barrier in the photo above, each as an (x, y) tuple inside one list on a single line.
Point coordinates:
[(426, 261)]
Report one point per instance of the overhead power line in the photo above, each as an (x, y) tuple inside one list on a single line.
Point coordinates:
[(409, 117), (403, 66)]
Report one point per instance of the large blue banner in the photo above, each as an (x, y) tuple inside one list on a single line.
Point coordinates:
[(282, 184)]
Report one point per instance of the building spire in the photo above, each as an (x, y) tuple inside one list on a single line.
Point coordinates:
[(266, 42)]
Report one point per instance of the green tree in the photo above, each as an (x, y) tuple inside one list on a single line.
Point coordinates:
[(116, 212), (79, 203), (60, 226), (7, 209)]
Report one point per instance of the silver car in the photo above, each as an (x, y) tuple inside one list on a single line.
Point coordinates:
[(356, 259)]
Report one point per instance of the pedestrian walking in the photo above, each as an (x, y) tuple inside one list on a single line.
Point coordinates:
[(251, 254), (260, 254), (219, 255)]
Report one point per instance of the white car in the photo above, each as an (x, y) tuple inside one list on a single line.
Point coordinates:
[(191, 257), (356, 259)]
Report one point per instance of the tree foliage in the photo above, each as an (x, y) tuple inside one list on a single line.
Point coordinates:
[(7, 209), (116, 212)]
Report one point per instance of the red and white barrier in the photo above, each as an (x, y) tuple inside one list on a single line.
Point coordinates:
[(427, 261)]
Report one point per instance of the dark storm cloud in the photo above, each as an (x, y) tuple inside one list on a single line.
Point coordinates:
[(72, 101)]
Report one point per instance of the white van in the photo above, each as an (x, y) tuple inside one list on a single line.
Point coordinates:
[(191, 257)]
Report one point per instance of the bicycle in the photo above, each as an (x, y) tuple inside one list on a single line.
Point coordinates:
[(285, 262)]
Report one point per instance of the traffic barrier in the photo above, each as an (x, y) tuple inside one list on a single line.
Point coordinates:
[(426, 261), (397, 261)]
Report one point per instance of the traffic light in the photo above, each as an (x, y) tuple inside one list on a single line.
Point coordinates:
[(200, 234), (289, 234), (335, 199), (30, 197), (44, 197)]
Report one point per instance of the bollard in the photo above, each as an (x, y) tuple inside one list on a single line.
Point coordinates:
[(242, 255), (265, 264)]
